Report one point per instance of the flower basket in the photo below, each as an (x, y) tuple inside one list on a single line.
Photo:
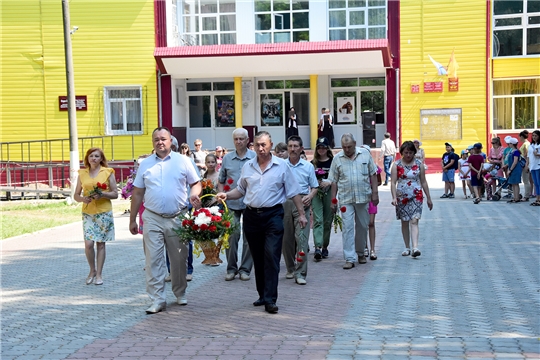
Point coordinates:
[(210, 228)]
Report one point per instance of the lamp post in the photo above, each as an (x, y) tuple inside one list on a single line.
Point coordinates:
[(73, 138)]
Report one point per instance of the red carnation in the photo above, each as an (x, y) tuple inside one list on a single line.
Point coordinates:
[(334, 201), (185, 222), (227, 224), (212, 228), (343, 209), (204, 227), (226, 188), (301, 253), (195, 227), (299, 259), (230, 181), (221, 211), (215, 218)]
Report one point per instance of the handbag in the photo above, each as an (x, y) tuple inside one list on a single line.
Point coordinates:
[(522, 162), (379, 179)]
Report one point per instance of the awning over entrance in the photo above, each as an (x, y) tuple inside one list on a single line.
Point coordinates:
[(364, 57)]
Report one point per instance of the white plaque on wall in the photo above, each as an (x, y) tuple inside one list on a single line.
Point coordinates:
[(246, 91)]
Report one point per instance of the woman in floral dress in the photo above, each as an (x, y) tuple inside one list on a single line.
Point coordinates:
[(96, 186), (409, 186)]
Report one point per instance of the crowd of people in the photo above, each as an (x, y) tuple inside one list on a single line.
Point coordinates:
[(272, 191)]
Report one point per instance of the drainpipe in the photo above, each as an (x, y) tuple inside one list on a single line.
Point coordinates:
[(160, 120), (398, 133)]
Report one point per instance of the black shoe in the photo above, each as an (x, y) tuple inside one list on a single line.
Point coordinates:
[(324, 253), (259, 302), (451, 196), (271, 308), (385, 184), (318, 254)]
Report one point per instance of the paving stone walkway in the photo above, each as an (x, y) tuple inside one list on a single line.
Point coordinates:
[(473, 294)]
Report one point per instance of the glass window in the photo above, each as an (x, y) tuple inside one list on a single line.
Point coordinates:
[(372, 81), (343, 82), (199, 86), (508, 22), (216, 26), (297, 84), (224, 105), (533, 6), (276, 19), (343, 102), (271, 84), (271, 109), (516, 28), (300, 102), (516, 104), (199, 111), (357, 19), (533, 41), (224, 85), (503, 7), (510, 42), (123, 110)]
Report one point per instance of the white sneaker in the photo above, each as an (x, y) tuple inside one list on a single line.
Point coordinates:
[(301, 281), (189, 277), (182, 300), (289, 275), (230, 276), (168, 278), (244, 277)]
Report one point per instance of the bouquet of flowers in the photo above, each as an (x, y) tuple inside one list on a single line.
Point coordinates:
[(127, 189), (98, 189), (321, 174), (210, 228), (337, 221), (208, 188)]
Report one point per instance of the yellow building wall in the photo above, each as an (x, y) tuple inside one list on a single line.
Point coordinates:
[(113, 46), (436, 27), (516, 67)]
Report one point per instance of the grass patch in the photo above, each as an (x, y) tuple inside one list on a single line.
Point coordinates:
[(28, 216)]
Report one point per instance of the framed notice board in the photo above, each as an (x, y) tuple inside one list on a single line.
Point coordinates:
[(440, 124)]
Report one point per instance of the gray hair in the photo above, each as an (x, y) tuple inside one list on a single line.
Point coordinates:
[(263, 133), (240, 131), (348, 137)]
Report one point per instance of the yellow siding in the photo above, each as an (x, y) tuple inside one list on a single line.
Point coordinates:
[(113, 46), (436, 28), (516, 67)]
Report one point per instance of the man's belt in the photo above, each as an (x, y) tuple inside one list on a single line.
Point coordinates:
[(168, 216), (263, 209)]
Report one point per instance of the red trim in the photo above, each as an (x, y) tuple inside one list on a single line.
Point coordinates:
[(392, 90), (160, 23), (166, 102), (488, 72), (276, 49)]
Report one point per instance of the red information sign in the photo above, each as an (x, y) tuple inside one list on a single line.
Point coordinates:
[(433, 86), (80, 103), (453, 84), (415, 89)]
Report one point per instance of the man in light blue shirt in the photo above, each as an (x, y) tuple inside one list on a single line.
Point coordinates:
[(295, 238), (266, 184), (162, 180), (229, 174)]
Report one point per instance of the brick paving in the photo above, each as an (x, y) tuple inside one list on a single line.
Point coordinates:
[(473, 294)]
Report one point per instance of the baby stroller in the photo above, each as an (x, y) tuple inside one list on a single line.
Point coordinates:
[(503, 185)]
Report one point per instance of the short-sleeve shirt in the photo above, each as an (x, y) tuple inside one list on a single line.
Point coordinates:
[(101, 205), (352, 176), (166, 182), (231, 168), (324, 166), (304, 172), (269, 188), (475, 160)]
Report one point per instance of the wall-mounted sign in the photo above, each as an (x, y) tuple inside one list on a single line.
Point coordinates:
[(433, 86), (80, 103), (246, 91), (415, 88), (453, 84)]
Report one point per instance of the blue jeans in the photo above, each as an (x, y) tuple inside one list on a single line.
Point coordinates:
[(536, 180), (387, 165)]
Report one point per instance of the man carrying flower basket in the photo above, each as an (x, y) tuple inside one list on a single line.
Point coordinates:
[(266, 182), (350, 174), (162, 181)]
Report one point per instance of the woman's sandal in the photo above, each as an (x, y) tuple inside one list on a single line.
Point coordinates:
[(372, 255), (513, 201), (406, 252), (477, 201), (416, 253), (536, 203)]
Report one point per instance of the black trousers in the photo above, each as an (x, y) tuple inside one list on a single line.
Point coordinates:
[(264, 234)]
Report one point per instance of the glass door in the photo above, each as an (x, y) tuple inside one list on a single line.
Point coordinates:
[(346, 115), (300, 102)]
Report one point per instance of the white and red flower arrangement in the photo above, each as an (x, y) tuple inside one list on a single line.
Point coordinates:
[(207, 227)]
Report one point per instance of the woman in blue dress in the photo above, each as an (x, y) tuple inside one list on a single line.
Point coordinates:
[(514, 168)]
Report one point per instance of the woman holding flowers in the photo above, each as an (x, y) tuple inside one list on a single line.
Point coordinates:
[(320, 204), (96, 186), (408, 180)]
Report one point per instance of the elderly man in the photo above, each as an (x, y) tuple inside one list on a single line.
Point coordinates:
[(231, 167), (295, 238), (162, 180), (354, 174), (265, 183)]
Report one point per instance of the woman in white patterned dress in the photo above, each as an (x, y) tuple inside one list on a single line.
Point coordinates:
[(408, 181)]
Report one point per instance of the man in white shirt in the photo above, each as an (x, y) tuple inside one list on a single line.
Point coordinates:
[(388, 153), (162, 181)]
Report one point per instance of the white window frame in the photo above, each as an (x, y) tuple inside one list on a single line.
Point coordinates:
[(523, 27), (195, 37), (366, 25), (107, 106), (536, 116), (278, 13)]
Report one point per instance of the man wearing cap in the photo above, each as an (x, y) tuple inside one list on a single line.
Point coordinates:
[(449, 162), (231, 167), (388, 153), (475, 163)]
